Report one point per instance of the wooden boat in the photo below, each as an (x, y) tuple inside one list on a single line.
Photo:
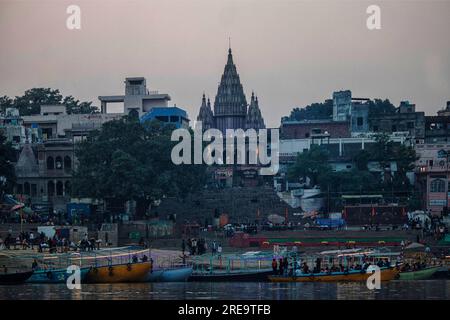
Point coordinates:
[(353, 275), (228, 276), (15, 278), (180, 274), (55, 275), (117, 273), (423, 274)]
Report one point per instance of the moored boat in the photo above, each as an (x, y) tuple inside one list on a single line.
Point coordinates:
[(238, 275), (352, 275), (422, 274), (55, 275), (180, 274), (15, 278), (117, 273)]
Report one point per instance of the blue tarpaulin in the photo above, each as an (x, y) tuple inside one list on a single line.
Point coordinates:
[(330, 223)]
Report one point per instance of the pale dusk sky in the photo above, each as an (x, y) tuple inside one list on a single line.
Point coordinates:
[(291, 53)]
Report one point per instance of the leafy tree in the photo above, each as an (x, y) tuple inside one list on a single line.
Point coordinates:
[(76, 107), (315, 111), (127, 160), (379, 106), (7, 156), (31, 101), (310, 164), (5, 102)]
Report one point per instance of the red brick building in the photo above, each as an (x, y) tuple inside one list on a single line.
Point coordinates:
[(315, 128)]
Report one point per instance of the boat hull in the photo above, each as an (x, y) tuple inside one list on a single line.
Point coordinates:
[(170, 275), (55, 276), (386, 275), (120, 273), (419, 274), (15, 278), (259, 276)]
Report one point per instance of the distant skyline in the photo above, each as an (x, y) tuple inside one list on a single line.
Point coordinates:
[(291, 53)]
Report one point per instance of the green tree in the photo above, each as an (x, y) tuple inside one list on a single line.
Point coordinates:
[(30, 102), (7, 157), (5, 102), (315, 111), (74, 106), (127, 160), (310, 164)]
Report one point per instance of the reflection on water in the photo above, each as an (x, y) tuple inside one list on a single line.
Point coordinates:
[(426, 289)]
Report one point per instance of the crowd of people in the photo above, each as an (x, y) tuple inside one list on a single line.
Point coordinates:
[(41, 243), (200, 246)]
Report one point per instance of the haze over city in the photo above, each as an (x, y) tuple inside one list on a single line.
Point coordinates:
[(291, 53)]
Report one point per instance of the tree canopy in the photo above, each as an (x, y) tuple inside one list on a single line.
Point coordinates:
[(30, 102), (7, 156), (127, 160)]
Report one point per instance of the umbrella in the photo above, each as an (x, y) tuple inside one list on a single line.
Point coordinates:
[(414, 245), (274, 218), (17, 207)]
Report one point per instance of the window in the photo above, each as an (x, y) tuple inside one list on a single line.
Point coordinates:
[(33, 190), (59, 188), (163, 118), (19, 189), (410, 125), (174, 118), (58, 162), (50, 188), (375, 128), (67, 163), (26, 188), (437, 185), (50, 163), (68, 188)]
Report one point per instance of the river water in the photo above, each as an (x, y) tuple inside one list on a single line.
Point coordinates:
[(393, 290)]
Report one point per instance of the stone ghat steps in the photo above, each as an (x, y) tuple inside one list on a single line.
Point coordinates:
[(240, 204)]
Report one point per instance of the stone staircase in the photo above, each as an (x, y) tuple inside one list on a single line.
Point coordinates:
[(241, 204)]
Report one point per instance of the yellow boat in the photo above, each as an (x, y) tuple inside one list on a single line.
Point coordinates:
[(352, 275), (130, 272)]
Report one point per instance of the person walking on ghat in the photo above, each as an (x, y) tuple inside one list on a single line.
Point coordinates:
[(274, 266), (280, 267)]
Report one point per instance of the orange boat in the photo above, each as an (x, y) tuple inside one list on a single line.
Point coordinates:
[(352, 275), (130, 272)]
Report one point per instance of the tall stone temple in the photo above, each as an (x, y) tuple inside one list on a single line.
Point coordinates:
[(231, 110)]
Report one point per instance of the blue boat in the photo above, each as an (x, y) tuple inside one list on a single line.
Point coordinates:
[(54, 275), (180, 274)]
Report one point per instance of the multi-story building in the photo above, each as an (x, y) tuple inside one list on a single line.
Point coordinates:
[(437, 128), (137, 98), (342, 105), (404, 120), (433, 172), (44, 172)]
